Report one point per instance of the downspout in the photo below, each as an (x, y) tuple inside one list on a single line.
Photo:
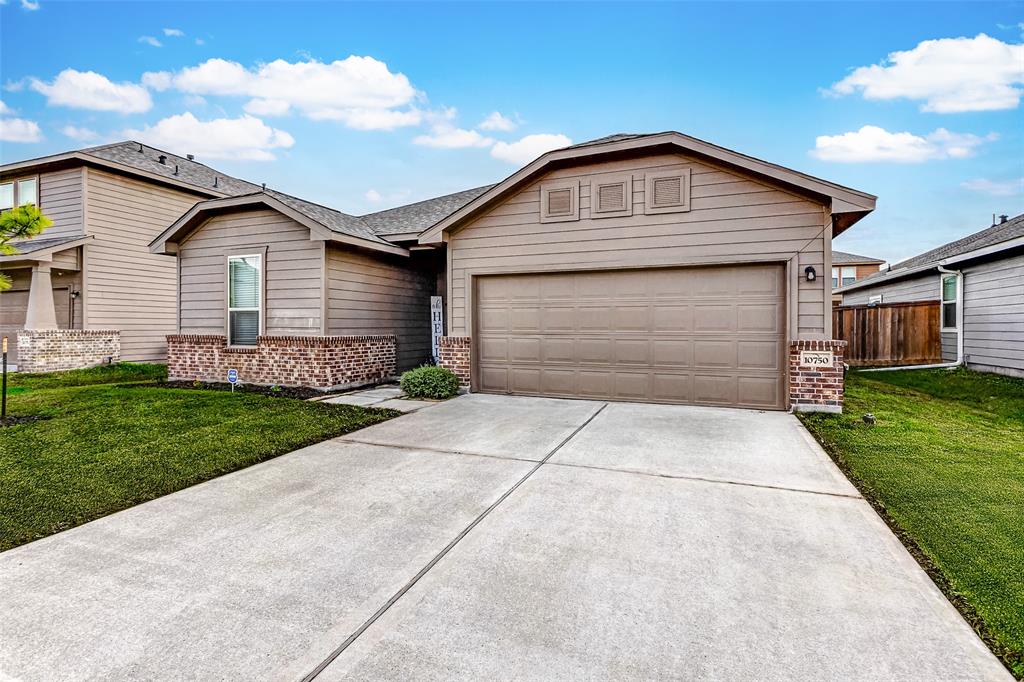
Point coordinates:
[(959, 327)]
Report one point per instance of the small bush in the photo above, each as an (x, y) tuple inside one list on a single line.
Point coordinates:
[(430, 382)]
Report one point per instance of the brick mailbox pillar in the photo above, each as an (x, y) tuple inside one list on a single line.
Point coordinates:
[(816, 375)]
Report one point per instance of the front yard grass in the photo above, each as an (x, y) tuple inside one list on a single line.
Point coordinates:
[(102, 445), (945, 464)]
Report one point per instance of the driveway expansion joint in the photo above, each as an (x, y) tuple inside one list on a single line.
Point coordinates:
[(444, 552)]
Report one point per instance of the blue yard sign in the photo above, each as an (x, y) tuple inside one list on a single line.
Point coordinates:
[(232, 377)]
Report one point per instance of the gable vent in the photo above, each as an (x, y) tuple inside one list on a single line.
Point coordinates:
[(560, 202), (611, 197), (668, 191)]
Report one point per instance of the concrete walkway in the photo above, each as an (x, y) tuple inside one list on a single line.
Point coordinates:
[(497, 537), (391, 397)]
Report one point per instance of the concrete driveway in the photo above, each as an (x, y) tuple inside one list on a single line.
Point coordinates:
[(497, 537)]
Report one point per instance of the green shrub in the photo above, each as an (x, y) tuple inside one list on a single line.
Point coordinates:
[(430, 382)]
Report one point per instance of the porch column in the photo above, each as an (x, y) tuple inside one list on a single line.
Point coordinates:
[(41, 313)]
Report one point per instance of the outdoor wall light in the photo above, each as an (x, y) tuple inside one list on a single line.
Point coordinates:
[(810, 273)]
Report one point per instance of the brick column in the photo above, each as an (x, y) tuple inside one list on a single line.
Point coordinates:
[(815, 387), (455, 353)]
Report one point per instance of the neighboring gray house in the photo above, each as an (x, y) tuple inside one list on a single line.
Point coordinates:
[(979, 281), (88, 287)]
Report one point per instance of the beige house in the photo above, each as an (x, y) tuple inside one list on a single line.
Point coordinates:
[(634, 267), (91, 274)]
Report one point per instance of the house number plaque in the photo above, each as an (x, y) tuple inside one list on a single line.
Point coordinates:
[(815, 358)]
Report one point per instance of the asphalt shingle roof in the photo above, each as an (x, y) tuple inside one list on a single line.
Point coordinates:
[(27, 246), (330, 218), (840, 257), (420, 215), (146, 158), (996, 234)]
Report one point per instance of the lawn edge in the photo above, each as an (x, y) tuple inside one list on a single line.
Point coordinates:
[(1007, 656)]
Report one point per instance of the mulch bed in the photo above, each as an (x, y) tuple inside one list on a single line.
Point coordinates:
[(12, 420)]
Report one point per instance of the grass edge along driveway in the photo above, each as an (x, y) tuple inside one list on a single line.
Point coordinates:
[(944, 466), (108, 438)]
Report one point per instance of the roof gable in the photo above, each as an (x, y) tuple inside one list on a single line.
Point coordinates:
[(848, 205)]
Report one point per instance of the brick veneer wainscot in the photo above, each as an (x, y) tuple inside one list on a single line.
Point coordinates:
[(816, 389), (314, 361), (54, 350), (454, 352)]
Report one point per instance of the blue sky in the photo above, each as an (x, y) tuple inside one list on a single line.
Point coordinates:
[(271, 92)]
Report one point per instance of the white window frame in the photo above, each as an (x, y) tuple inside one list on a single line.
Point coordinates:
[(943, 303), (259, 297), (845, 270), (15, 184)]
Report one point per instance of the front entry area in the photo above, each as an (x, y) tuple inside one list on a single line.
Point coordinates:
[(696, 335)]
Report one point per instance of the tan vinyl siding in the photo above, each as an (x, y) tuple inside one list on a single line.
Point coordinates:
[(127, 287), (994, 315), (293, 272), (60, 199), (369, 294), (732, 218)]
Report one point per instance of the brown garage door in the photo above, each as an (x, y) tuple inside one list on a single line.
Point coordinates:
[(707, 335)]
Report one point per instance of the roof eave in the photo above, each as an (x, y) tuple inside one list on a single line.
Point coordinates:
[(849, 203), (167, 241), (88, 159), (44, 254)]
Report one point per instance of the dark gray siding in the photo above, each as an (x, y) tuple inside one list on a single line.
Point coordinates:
[(994, 315)]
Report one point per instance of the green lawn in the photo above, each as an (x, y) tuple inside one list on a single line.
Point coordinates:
[(105, 445), (945, 463)]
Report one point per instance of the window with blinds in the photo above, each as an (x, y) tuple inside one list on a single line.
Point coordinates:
[(611, 196), (244, 293), (560, 201), (667, 192)]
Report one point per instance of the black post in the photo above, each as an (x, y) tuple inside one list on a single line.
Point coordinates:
[(3, 392)]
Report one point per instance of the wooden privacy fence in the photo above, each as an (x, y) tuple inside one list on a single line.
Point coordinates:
[(889, 334)]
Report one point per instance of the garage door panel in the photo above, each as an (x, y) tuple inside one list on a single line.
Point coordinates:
[(494, 349), (714, 318), (677, 335), (714, 353), (758, 391), (558, 350), (672, 352), (672, 318), (631, 352), (715, 389), (758, 317)]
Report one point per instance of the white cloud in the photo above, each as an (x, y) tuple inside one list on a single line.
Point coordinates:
[(528, 148), (90, 90), (19, 130), (245, 137), (373, 196), (80, 134), (30, 5), (950, 75), (361, 92), (448, 137), (195, 101), (267, 107), (495, 121), (157, 80), (200, 41), (1001, 188), (174, 33), (151, 41), (4, 109), (872, 143)]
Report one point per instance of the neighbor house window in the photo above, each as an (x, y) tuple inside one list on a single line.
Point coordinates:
[(19, 193), (950, 296), (244, 299)]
